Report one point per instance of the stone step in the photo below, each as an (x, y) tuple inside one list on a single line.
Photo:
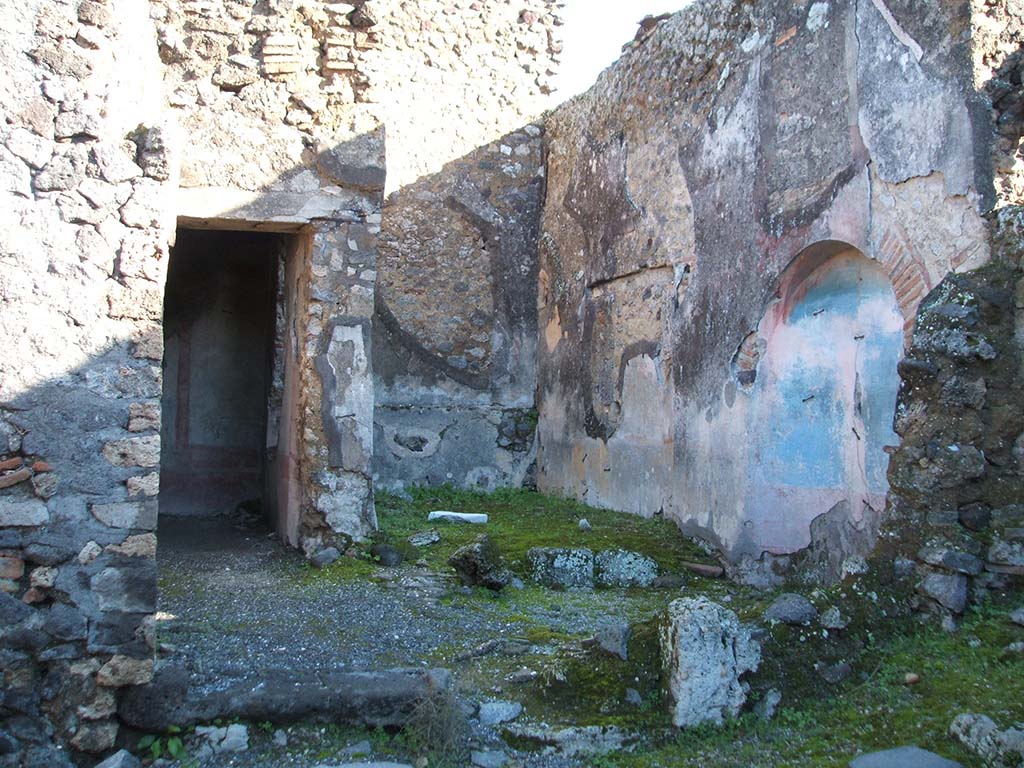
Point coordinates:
[(371, 698)]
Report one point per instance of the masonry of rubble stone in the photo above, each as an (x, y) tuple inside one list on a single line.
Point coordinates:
[(957, 479)]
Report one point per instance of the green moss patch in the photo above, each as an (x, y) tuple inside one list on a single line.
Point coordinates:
[(519, 520), (965, 672)]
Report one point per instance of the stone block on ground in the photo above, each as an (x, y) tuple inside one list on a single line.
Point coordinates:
[(232, 738), (425, 538), (373, 699), (705, 569), (706, 651), (903, 757), (496, 712), (562, 568), (996, 748), (613, 638), (121, 759), (325, 557), (386, 555), (622, 568), (791, 608), (488, 758), (575, 741), (458, 517)]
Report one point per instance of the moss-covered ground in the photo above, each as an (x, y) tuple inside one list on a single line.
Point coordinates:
[(969, 671), (519, 520), (819, 723)]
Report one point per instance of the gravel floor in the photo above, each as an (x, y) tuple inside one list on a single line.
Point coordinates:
[(234, 601), (237, 601)]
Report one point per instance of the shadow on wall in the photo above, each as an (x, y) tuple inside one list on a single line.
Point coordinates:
[(455, 323), (80, 450)]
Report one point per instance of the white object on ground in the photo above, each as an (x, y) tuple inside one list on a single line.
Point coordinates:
[(457, 517)]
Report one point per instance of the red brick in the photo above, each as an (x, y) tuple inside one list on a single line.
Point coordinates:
[(14, 478), (11, 567)]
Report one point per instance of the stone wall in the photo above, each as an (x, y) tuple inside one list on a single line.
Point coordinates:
[(121, 118), (997, 39), (455, 328), (84, 253), (700, 200), (955, 513)]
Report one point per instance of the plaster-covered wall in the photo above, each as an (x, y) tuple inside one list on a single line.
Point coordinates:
[(458, 84), (817, 406), (683, 190)]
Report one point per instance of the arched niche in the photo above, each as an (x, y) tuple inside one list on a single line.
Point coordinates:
[(822, 396)]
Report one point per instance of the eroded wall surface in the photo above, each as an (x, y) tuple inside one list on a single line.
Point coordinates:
[(736, 144), (458, 84)]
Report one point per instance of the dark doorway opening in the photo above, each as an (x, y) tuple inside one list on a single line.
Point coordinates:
[(221, 306)]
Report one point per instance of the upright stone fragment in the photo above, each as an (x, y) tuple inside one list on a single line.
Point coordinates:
[(706, 651), (903, 757), (790, 608), (480, 564)]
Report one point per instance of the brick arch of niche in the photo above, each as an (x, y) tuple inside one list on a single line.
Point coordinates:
[(908, 275)]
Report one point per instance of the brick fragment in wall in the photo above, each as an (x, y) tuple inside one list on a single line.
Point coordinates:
[(15, 477), (281, 54), (143, 417)]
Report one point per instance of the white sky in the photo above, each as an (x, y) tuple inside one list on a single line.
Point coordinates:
[(594, 33)]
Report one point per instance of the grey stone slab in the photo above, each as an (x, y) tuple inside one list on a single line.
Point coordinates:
[(903, 757), (377, 699)]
